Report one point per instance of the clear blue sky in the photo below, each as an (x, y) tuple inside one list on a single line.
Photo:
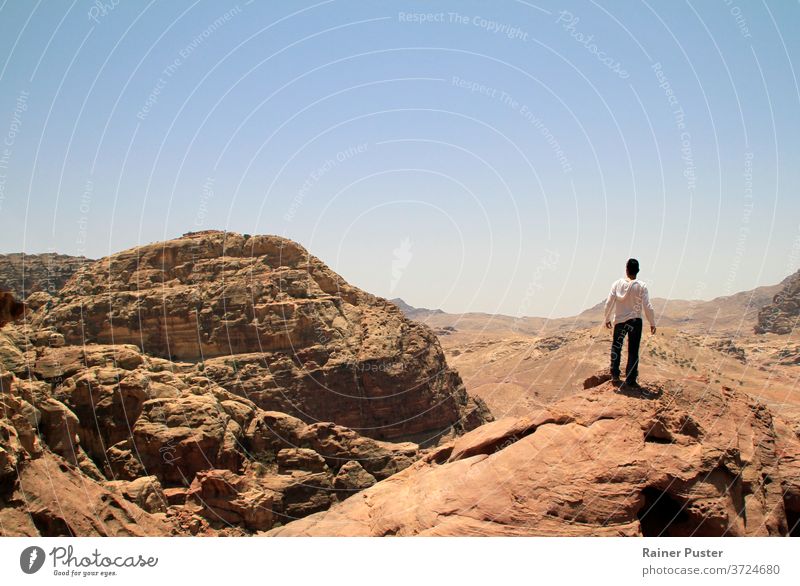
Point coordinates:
[(494, 156)]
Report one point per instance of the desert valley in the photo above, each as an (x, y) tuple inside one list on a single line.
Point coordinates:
[(228, 384)]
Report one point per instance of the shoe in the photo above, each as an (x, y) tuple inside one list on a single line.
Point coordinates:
[(631, 385), (615, 380)]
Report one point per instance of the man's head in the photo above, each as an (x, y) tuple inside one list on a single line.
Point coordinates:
[(632, 268)]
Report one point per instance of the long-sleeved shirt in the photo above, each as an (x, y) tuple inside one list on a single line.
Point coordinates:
[(627, 299)]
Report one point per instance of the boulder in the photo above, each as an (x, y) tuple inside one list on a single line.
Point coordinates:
[(300, 459), (352, 478), (223, 497), (145, 492)]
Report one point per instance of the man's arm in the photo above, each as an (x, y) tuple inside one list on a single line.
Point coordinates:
[(648, 309), (609, 308)]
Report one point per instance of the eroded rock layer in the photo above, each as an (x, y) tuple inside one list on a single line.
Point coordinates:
[(269, 322)]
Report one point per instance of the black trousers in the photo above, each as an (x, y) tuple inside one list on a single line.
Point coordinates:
[(633, 329)]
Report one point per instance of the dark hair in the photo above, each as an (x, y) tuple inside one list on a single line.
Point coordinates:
[(632, 267)]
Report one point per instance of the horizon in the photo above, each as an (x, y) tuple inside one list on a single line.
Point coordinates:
[(417, 307), (468, 157)]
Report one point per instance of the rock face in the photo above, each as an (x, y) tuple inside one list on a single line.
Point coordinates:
[(23, 274), (675, 459), (289, 385), (780, 316), (136, 445), (267, 321), (42, 492)]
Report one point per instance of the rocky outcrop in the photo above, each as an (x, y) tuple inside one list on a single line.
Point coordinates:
[(52, 498), (264, 319), (44, 493), (780, 316), (676, 458), (23, 274), (788, 445), (145, 491), (184, 454), (221, 495), (352, 478)]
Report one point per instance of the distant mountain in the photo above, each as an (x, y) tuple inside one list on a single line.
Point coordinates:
[(23, 274), (781, 314), (415, 312), (727, 314)]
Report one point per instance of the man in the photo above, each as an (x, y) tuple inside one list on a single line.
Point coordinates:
[(626, 300)]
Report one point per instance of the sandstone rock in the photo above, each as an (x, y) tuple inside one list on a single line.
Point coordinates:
[(498, 435), (788, 445), (56, 340), (339, 445), (57, 364), (171, 425), (121, 463), (60, 426), (597, 379), (301, 493), (146, 492), (593, 469), (54, 499), (106, 394), (100, 359), (23, 274), (176, 495), (176, 438), (225, 497), (12, 358), (38, 300), (352, 478), (272, 323), (272, 431), (780, 316), (300, 459)]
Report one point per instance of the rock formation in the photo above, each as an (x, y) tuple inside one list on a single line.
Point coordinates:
[(222, 384), (267, 321), (23, 274), (290, 381), (149, 447), (678, 458), (780, 316)]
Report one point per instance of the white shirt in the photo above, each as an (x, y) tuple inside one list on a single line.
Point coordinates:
[(627, 299)]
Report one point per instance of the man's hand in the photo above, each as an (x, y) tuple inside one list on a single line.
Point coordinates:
[(608, 325), (653, 330)]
